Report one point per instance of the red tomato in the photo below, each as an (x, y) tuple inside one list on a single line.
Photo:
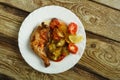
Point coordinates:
[(72, 28), (60, 58), (54, 23), (72, 48), (56, 37)]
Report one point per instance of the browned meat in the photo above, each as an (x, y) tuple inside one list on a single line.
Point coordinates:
[(39, 38)]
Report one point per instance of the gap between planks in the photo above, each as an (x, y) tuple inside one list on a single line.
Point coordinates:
[(77, 68), (96, 18), (115, 4), (25, 13), (101, 36)]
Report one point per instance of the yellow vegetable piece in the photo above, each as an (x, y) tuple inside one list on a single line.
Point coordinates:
[(75, 38)]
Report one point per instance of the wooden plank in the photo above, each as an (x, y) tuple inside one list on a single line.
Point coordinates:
[(101, 55), (96, 18), (14, 16), (111, 3), (12, 63), (5, 77)]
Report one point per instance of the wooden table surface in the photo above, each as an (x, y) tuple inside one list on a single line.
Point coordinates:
[(101, 59)]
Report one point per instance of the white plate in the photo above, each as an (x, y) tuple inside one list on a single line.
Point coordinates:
[(35, 18)]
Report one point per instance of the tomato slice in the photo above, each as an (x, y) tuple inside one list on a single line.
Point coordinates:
[(54, 23), (56, 37), (72, 48), (72, 28)]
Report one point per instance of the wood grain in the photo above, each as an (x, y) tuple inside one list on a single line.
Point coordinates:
[(11, 61), (112, 3), (8, 18), (4, 77), (101, 55), (96, 18), (12, 64)]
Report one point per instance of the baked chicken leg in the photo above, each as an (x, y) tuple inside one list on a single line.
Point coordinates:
[(38, 40)]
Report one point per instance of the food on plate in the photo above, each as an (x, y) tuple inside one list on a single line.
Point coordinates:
[(38, 41), (54, 40)]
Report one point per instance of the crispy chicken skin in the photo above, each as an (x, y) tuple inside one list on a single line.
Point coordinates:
[(38, 40)]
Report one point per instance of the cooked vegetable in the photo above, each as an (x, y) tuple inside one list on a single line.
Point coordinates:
[(57, 52), (65, 51), (54, 40), (54, 23), (59, 33), (61, 40), (60, 58), (55, 36), (63, 27), (52, 47), (61, 43)]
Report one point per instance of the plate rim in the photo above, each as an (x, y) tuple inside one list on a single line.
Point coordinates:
[(34, 27)]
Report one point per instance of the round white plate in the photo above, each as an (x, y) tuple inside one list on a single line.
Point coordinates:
[(35, 18)]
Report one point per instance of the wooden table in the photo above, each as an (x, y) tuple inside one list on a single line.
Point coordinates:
[(101, 59)]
